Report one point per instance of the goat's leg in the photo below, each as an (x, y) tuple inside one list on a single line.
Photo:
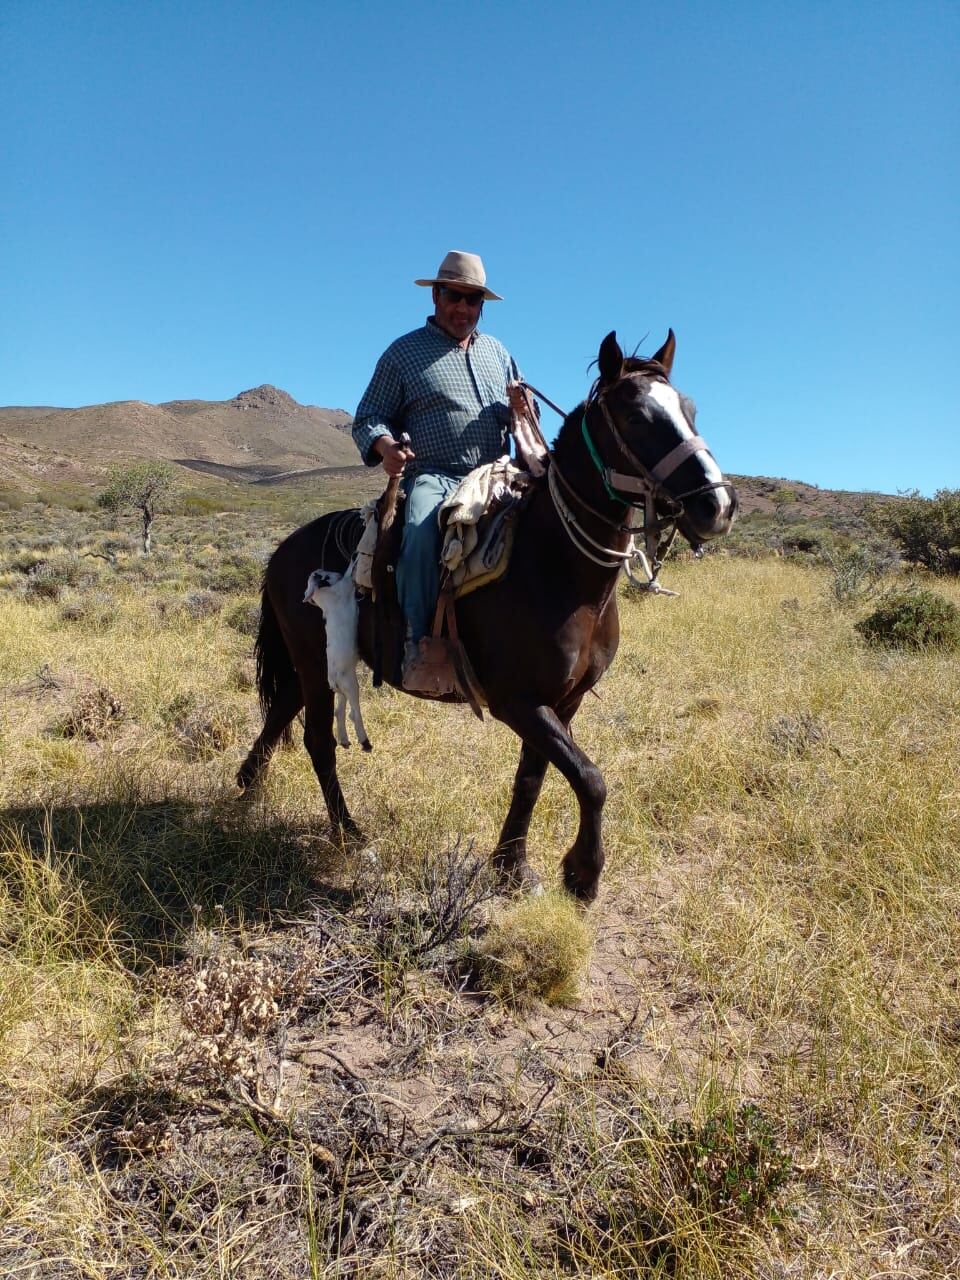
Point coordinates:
[(341, 706), (353, 697), (542, 730), (280, 713)]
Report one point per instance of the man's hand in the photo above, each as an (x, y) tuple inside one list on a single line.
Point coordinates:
[(393, 456)]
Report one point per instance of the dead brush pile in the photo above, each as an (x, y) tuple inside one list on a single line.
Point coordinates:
[(92, 715)]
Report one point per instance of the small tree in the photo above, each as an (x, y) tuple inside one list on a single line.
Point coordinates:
[(146, 487)]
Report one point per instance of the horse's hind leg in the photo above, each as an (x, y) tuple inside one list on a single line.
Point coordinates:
[(510, 856), (281, 711), (322, 747)]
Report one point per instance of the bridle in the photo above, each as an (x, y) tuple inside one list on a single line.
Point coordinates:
[(640, 490)]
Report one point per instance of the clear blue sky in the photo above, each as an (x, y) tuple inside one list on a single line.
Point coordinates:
[(198, 197)]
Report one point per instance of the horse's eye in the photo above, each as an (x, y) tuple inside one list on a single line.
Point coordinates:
[(689, 409)]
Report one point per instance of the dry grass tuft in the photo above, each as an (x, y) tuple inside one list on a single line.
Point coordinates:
[(536, 949)]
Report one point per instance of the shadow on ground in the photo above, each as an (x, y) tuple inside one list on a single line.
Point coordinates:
[(152, 870)]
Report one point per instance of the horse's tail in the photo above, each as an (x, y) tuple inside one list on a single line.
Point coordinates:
[(274, 666)]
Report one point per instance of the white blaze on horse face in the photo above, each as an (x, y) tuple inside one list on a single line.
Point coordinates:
[(669, 401)]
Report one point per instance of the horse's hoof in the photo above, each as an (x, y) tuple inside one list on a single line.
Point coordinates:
[(584, 891), (367, 745), (349, 832), (246, 777), (519, 879)]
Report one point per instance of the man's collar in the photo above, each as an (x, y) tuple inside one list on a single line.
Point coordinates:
[(433, 327)]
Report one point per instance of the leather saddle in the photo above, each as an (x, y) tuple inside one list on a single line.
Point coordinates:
[(383, 622)]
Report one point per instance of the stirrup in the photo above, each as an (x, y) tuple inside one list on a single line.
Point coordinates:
[(429, 670)]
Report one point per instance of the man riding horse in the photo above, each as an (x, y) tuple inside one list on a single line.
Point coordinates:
[(445, 385), (627, 463)]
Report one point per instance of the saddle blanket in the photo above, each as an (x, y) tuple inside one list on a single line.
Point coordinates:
[(477, 521)]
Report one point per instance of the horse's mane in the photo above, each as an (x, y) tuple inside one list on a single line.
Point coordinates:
[(637, 364)]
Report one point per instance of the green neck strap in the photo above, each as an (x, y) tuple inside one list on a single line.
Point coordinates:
[(598, 463)]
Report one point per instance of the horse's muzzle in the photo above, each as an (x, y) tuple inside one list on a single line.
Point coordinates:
[(709, 514)]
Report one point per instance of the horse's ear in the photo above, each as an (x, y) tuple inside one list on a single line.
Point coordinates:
[(665, 355), (611, 358)]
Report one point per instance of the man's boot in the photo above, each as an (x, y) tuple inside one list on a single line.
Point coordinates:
[(427, 668)]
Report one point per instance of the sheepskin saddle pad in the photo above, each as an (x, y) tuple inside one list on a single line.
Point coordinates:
[(478, 521)]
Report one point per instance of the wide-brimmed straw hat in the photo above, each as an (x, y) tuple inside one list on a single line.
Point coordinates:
[(464, 269)]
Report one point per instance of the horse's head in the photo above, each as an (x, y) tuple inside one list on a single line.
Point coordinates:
[(650, 441)]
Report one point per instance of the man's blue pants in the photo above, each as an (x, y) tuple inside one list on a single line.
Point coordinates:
[(418, 573)]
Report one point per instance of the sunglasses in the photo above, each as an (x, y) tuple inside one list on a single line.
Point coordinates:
[(472, 299)]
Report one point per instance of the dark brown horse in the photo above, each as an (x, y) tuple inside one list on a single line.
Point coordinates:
[(628, 459)]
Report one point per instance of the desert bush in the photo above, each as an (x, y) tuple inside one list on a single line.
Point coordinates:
[(797, 735), (913, 620), (244, 617), (731, 1164), (93, 714), (537, 950), (26, 561), (43, 584), (201, 604), (201, 728), (856, 573), (229, 1004), (927, 529), (68, 568), (97, 611), (11, 499), (243, 675), (47, 579), (236, 573)]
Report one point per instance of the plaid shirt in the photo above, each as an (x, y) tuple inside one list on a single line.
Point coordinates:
[(452, 400)]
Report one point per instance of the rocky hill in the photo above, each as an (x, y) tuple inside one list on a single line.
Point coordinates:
[(259, 432)]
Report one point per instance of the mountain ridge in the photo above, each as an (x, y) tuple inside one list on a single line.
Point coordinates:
[(263, 436), (262, 424)]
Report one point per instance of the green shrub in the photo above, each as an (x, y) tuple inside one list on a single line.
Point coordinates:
[(913, 620), (927, 529), (731, 1165)]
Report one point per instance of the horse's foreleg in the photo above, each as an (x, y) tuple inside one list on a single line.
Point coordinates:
[(321, 745), (543, 731), (510, 856), (281, 711)]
